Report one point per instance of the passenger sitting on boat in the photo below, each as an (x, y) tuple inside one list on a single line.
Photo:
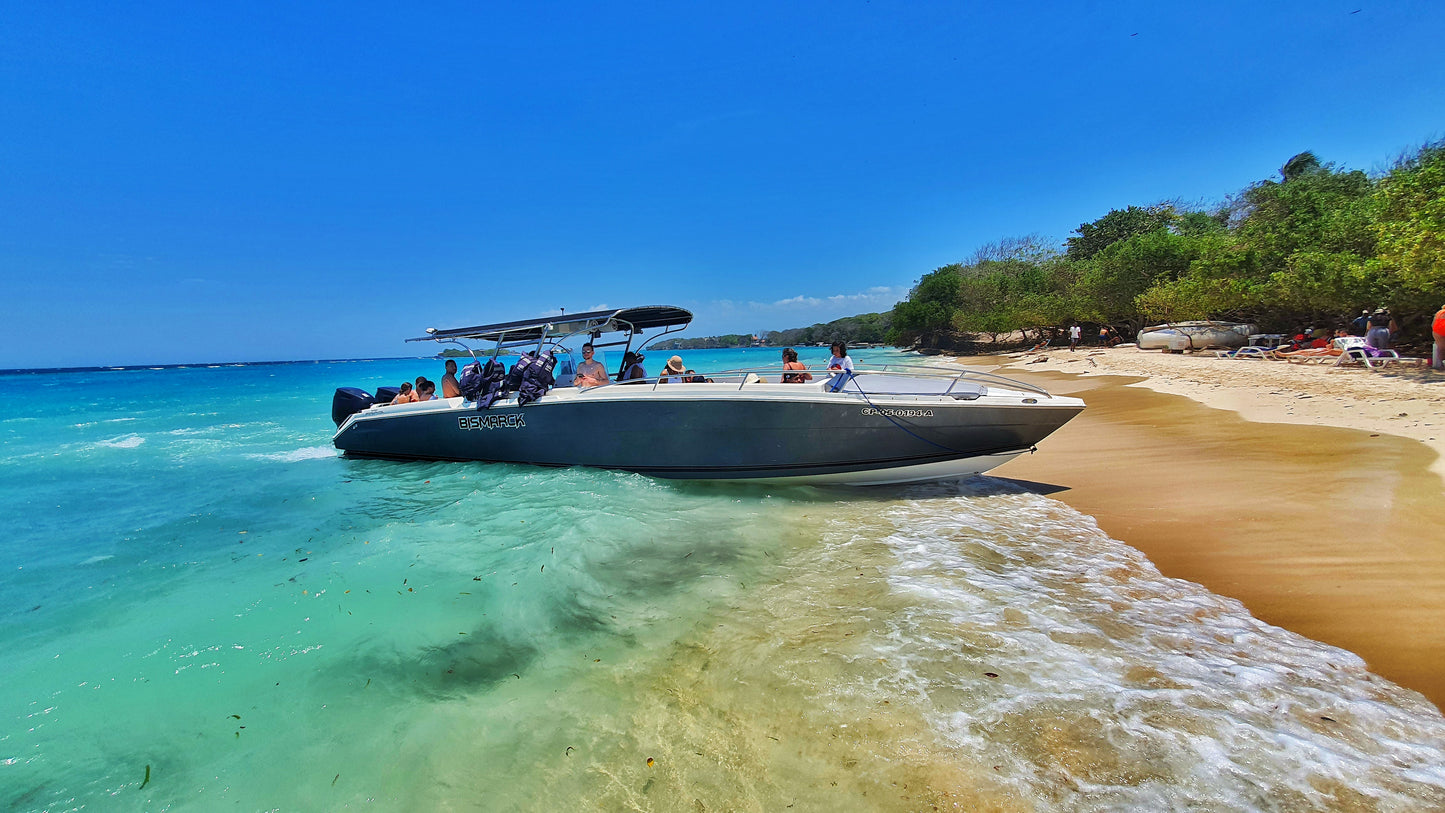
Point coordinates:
[(840, 360), (790, 362), (450, 387), (403, 395), (675, 372), (591, 372), (632, 368), (426, 391)]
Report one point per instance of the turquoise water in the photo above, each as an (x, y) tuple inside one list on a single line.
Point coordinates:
[(204, 606)]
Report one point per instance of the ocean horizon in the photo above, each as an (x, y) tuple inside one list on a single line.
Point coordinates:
[(206, 605)]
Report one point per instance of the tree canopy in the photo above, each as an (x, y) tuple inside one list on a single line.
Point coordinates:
[(1312, 246)]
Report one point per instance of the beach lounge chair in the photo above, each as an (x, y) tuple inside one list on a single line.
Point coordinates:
[(1252, 352), (1370, 357)]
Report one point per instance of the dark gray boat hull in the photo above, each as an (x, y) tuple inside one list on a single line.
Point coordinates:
[(721, 436)]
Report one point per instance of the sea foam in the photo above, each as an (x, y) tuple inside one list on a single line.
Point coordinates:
[(296, 455), (1035, 640)]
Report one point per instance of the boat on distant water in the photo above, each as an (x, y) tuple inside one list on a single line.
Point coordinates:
[(1195, 335), (884, 424)]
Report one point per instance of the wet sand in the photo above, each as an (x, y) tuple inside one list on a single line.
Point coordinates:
[(1331, 532)]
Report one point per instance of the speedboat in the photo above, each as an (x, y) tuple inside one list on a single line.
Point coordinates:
[(874, 425)]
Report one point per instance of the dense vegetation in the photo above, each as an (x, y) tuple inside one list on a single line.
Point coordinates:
[(706, 342), (865, 328), (1311, 248)]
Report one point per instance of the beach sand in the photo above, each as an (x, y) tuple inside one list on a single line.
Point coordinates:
[(1313, 495)]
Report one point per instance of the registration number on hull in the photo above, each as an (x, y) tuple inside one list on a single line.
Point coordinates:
[(899, 413)]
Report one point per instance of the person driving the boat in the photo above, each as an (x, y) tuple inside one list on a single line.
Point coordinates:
[(675, 372), (591, 372), (632, 367), (790, 362), (450, 387)]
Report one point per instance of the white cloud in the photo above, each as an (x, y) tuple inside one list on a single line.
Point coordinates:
[(878, 298)]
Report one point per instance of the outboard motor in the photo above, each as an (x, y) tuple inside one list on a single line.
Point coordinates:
[(385, 395), (347, 402)]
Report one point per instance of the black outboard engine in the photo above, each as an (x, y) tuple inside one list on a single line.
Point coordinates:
[(347, 402), (385, 395)]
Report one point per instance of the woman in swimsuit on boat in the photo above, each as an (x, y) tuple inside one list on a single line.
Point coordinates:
[(790, 362)]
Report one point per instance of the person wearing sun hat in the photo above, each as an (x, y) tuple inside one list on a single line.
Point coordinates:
[(674, 372)]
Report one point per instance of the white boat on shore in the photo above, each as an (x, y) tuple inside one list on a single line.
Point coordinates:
[(1195, 335)]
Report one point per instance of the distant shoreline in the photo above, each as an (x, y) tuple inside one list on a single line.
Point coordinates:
[(202, 365)]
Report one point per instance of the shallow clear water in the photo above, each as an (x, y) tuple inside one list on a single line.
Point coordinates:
[(198, 590)]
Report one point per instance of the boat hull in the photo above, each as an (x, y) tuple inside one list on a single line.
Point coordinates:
[(716, 432), (1196, 335)]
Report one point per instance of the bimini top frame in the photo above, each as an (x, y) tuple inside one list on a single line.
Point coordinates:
[(553, 330)]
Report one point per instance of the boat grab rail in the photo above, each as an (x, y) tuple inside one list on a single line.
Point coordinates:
[(960, 373), (956, 376)]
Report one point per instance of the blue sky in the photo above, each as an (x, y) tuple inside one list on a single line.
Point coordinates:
[(206, 182)]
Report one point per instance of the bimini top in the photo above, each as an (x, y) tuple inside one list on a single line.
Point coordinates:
[(632, 320)]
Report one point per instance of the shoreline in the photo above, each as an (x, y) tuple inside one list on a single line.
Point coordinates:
[(1302, 491)]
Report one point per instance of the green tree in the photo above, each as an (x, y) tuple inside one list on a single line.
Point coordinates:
[(1119, 225), (1112, 280), (928, 313), (1315, 208), (1411, 229)]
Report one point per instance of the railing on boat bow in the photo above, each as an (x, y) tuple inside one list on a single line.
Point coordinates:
[(774, 374)]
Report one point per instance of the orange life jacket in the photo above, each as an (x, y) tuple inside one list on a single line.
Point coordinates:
[(1439, 327)]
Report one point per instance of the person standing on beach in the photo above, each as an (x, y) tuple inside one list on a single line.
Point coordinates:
[(1437, 359), (1361, 325), (450, 387), (1075, 333), (1379, 335)]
